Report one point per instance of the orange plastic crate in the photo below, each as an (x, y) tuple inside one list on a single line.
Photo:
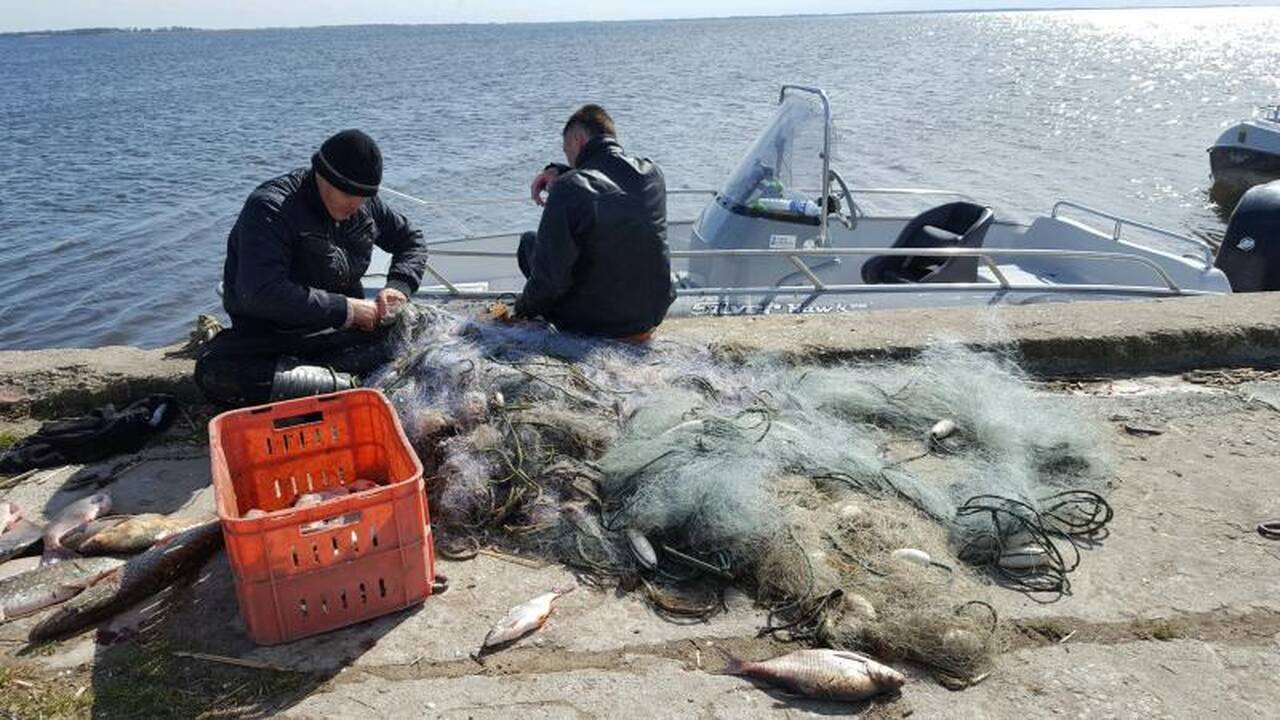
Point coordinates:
[(304, 571)]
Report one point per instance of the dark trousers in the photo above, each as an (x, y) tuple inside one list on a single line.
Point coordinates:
[(236, 367), (524, 253)]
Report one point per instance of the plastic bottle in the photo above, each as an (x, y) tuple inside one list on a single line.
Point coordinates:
[(807, 208)]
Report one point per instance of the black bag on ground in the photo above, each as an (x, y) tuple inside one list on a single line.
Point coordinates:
[(89, 438)]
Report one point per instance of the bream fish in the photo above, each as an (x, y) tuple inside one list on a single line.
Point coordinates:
[(825, 674), (72, 516), (521, 620)]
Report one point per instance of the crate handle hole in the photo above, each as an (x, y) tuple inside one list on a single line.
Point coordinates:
[(355, 541), (315, 553), (286, 443), (382, 587), (342, 596), (278, 491), (302, 607), (292, 421), (270, 451), (332, 523), (364, 596), (302, 439), (334, 540), (324, 606), (294, 550), (373, 537)]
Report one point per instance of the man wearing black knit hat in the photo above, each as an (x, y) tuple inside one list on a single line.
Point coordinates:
[(300, 323)]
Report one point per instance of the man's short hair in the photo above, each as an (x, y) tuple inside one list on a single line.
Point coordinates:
[(593, 119)]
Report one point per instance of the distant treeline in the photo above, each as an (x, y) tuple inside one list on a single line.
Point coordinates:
[(100, 31)]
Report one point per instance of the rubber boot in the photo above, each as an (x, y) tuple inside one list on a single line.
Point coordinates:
[(293, 380)]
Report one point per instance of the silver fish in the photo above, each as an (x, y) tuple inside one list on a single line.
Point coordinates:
[(48, 585), (72, 516), (142, 576), (21, 537), (522, 620), (826, 674)]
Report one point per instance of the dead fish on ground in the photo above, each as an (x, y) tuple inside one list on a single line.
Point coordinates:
[(126, 534), (10, 514), (521, 620), (48, 585), (19, 566), (21, 537), (72, 516), (825, 674), (142, 576)]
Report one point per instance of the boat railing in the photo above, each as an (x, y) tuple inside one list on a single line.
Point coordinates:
[(1119, 223), (684, 192), (1164, 283)]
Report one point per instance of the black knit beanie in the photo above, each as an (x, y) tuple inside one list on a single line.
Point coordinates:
[(351, 162)]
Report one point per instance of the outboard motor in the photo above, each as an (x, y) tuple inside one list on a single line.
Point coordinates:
[(1250, 252)]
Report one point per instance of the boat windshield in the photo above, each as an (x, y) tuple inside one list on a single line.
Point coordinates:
[(784, 162), (1269, 112)]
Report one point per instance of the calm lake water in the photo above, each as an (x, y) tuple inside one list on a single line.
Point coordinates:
[(127, 156)]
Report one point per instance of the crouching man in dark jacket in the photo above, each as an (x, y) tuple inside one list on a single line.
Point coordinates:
[(598, 264), (300, 323)]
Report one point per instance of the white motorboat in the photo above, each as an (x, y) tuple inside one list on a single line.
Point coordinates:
[(1246, 154), (764, 244)]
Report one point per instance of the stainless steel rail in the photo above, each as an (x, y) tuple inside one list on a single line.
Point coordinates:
[(985, 255), (1119, 223)]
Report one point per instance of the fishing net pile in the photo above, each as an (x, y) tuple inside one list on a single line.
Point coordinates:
[(861, 504)]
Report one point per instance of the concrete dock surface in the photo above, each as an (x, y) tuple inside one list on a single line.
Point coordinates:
[(1176, 613)]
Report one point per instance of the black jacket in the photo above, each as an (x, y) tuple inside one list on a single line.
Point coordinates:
[(290, 267), (600, 264)]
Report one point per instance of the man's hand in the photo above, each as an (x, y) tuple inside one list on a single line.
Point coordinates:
[(389, 302), (364, 314), (542, 183)]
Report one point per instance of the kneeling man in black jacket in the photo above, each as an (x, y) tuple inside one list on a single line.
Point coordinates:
[(299, 320), (598, 263)]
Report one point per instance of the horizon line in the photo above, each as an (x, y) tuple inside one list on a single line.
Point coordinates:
[(1194, 4)]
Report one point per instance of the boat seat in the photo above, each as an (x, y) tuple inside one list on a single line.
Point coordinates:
[(957, 224)]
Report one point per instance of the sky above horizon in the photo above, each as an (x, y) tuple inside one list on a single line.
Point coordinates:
[(67, 14)]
